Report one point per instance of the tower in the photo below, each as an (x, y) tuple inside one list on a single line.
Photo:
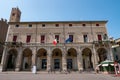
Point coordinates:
[(15, 15)]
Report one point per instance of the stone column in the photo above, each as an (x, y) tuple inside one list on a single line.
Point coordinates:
[(64, 63), (110, 54), (33, 58), (3, 61), (94, 57), (18, 60), (79, 59), (49, 65), (49, 58)]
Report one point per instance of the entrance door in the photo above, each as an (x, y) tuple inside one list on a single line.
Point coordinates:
[(44, 63), (69, 63), (56, 63)]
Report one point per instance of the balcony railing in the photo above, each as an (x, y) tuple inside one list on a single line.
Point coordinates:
[(19, 44)]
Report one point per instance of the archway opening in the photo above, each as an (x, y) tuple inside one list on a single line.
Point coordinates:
[(11, 59), (87, 59), (27, 59), (42, 59), (102, 54), (72, 59), (57, 59)]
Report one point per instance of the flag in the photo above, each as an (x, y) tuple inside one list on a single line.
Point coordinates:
[(55, 42), (68, 40)]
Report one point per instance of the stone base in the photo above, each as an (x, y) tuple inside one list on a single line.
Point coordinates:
[(17, 69), (1, 68)]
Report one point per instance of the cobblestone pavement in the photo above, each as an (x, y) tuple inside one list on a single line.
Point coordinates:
[(56, 76)]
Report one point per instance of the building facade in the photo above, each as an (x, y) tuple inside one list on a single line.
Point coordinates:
[(116, 50), (3, 33), (81, 45)]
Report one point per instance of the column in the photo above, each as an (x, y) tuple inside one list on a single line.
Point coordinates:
[(34, 60), (49, 65), (110, 54), (49, 58), (3, 61), (19, 59), (94, 57), (64, 63), (79, 60)]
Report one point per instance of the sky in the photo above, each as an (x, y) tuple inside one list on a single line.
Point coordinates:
[(67, 10)]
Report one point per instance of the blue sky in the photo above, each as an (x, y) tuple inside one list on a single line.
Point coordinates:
[(67, 10)]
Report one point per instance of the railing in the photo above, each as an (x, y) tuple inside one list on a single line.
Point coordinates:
[(18, 44)]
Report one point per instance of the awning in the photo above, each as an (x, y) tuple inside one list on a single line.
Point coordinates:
[(99, 64), (104, 64), (112, 64)]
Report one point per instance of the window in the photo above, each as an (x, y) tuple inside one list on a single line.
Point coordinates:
[(105, 37), (42, 38), (17, 25), (43, 25), (57, 25), (57, 38), (99, 37), (13, 14), (83, 24), (71, 37), (14, 38), (70, 25), (28, 38), (85, 38), (30, 25), (97, 24)]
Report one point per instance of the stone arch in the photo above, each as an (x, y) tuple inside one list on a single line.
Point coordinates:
[(102, 54), (87, 59), (26, 59), (57, 59), (72, 59), (11, 59), (41, 59)]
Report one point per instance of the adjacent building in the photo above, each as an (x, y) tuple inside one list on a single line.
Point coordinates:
[(81, 45), (116, 50), (3, 33)]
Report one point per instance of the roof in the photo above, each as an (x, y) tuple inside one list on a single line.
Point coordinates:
[(37, 22)]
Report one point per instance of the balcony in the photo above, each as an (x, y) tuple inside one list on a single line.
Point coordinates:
[(20, 44), (101, 43)]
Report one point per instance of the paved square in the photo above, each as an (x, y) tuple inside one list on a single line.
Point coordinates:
[(56, 76)]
